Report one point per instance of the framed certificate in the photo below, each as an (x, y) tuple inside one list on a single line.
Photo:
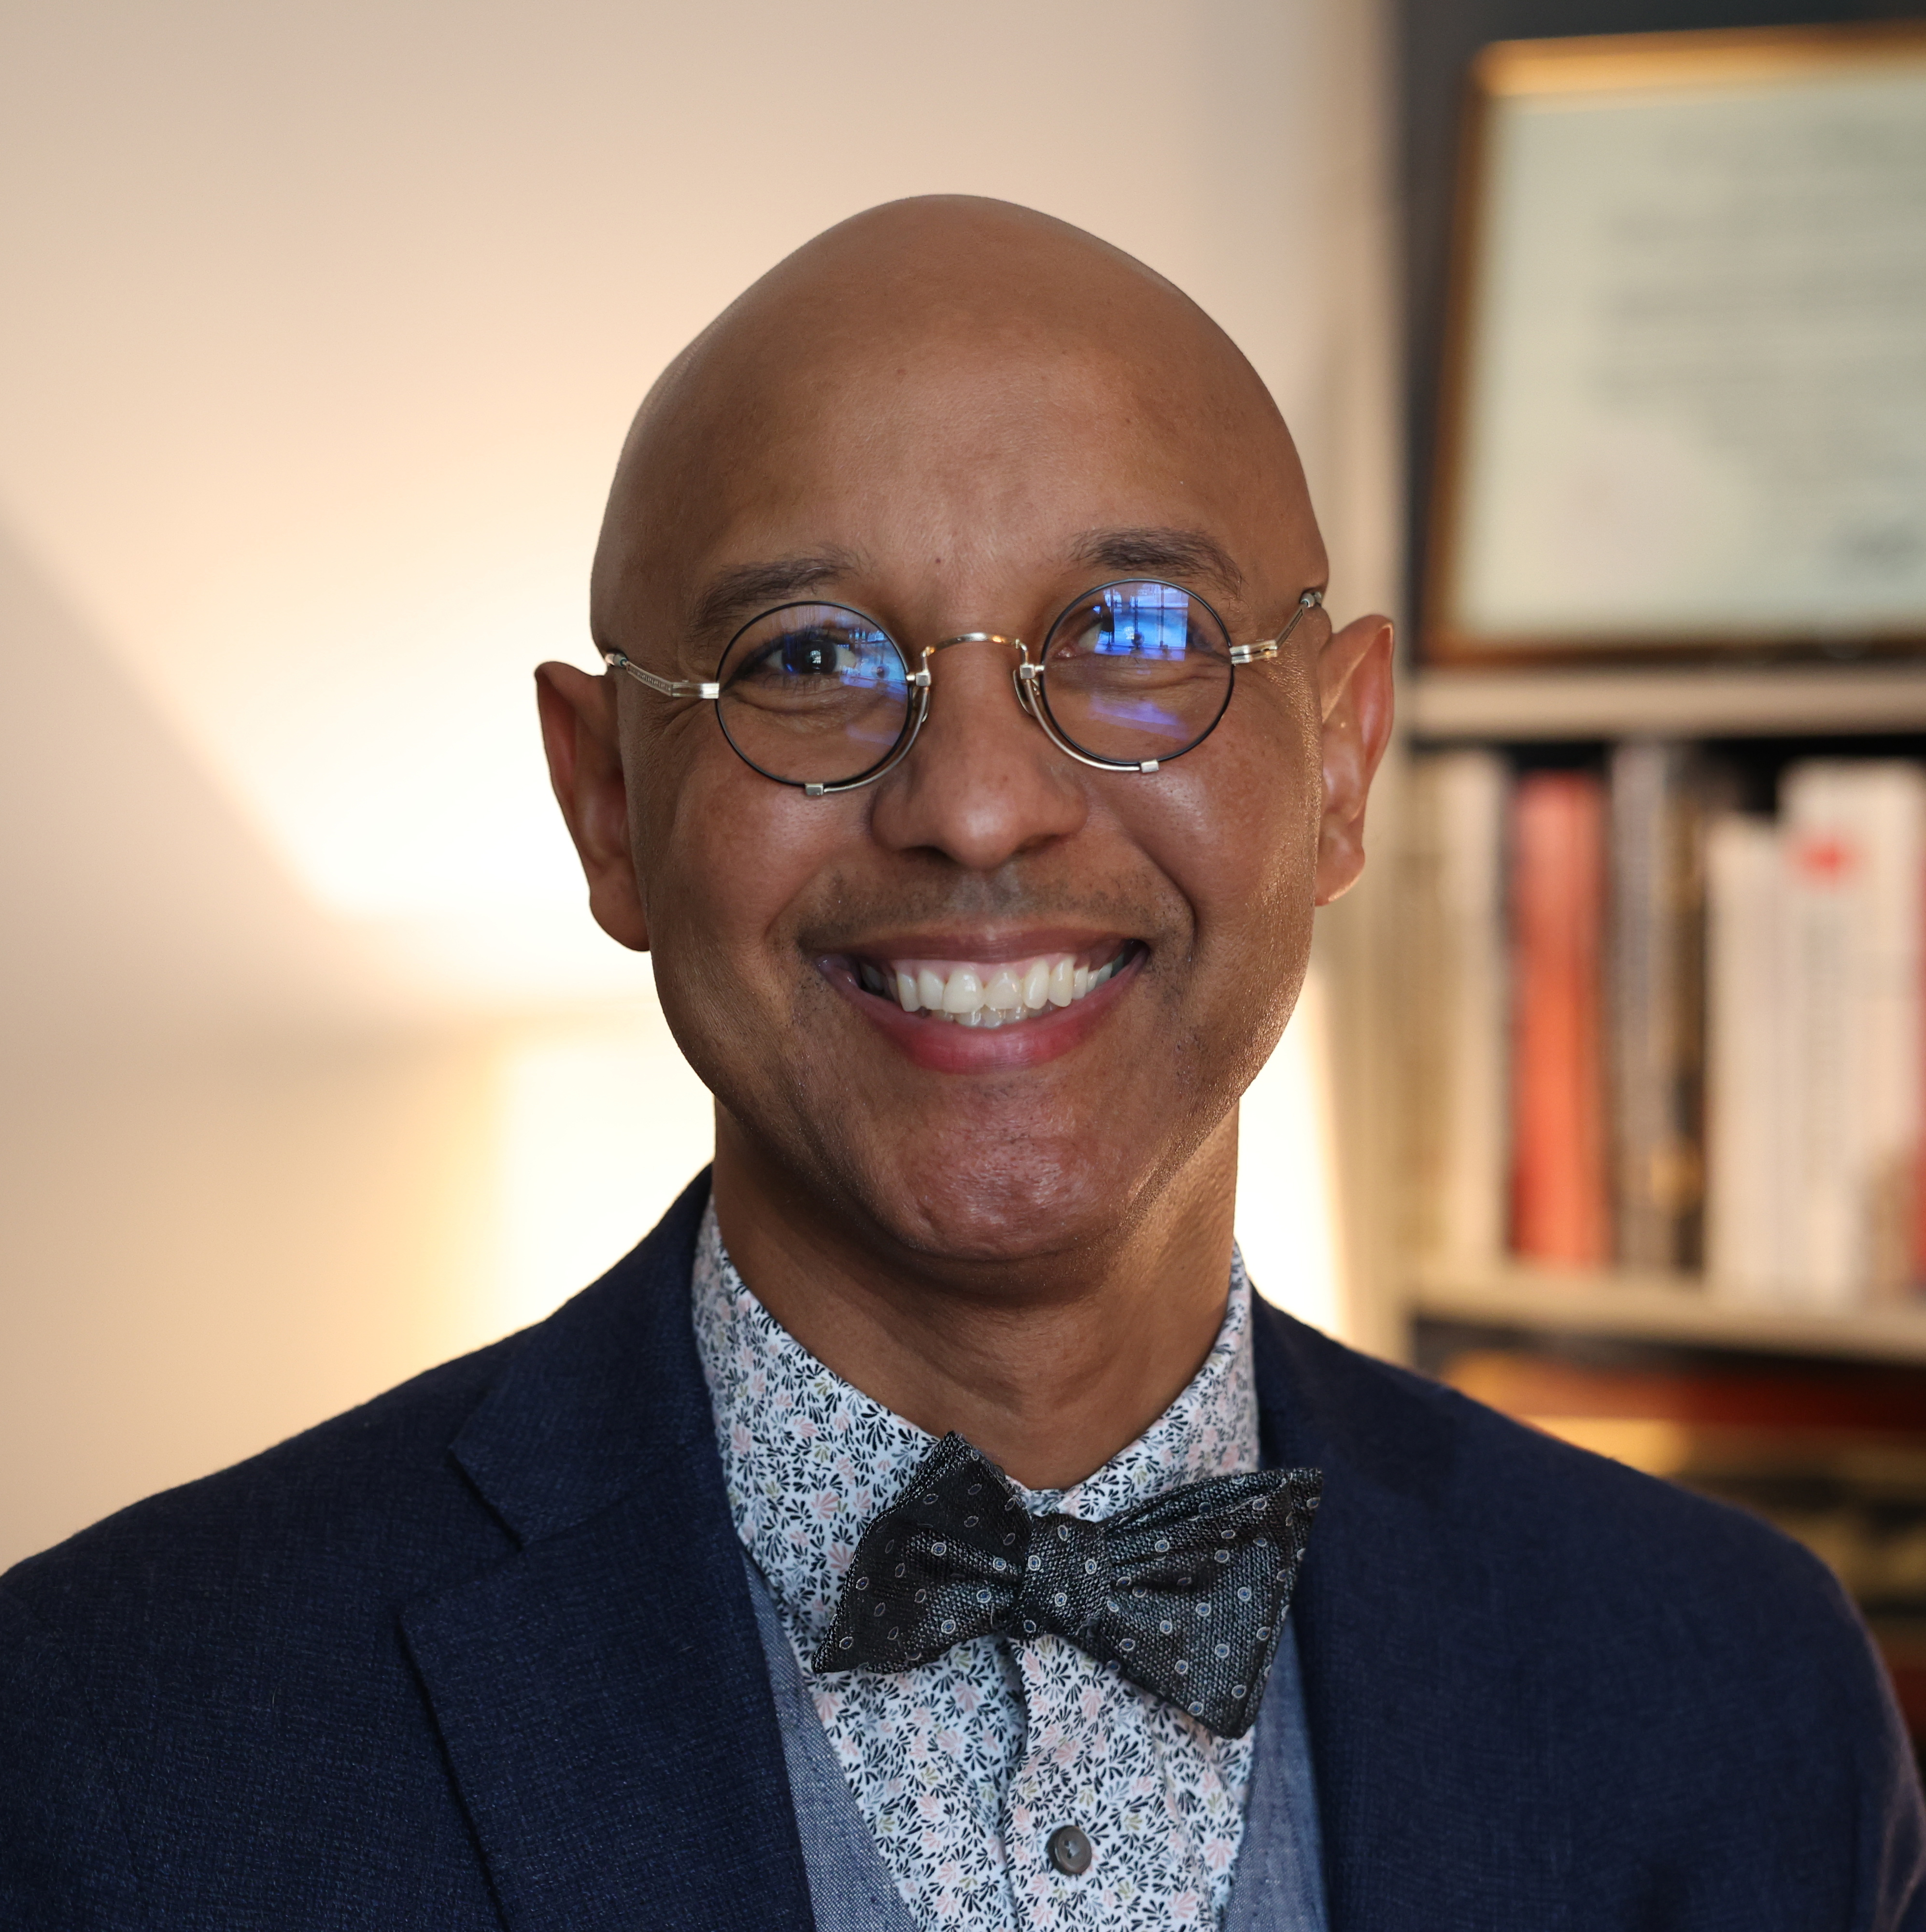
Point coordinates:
[(1685, 381)]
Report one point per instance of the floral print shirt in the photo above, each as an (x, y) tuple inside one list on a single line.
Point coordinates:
[(965, 1766)]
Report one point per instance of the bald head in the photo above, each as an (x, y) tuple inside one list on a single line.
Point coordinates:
[(942, 326)]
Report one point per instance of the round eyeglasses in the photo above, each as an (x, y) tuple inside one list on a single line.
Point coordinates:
[(1131, 675)]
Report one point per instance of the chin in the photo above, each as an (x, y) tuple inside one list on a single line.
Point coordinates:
[(1013, 1210)]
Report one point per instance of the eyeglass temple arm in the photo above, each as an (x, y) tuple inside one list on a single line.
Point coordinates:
[(1269, 647), (682, 687)]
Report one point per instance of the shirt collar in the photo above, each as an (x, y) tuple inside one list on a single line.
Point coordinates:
[(809, 1459)]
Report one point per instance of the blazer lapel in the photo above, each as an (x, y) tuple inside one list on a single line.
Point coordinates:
[(602, 1694), (1435, 1758)]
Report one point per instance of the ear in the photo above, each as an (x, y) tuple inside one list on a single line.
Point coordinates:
[(579, 732), (1355, 692)]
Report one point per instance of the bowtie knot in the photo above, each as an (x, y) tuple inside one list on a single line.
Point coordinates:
[(1185, 1595)]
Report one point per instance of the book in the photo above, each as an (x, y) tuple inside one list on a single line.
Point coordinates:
[(1814, 1104), (1747, 1170), (1559, 1203), (1459, 1005), (1855, 854), (1655, 984)]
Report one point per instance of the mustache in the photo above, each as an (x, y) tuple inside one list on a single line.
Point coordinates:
[(966, 901)]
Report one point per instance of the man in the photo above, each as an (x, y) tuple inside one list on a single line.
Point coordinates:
[(904, 1535)]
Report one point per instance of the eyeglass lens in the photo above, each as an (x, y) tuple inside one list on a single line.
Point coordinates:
[(814, 693), (818, 693), (1136, 671)]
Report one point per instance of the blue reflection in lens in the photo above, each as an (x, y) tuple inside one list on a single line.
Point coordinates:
[(1144, 620), (1138, 670), (1157, 721)]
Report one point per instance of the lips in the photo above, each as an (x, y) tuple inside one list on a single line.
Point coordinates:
[(996, 993)]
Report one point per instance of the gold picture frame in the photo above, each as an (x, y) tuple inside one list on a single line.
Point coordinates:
[(1684, 398)]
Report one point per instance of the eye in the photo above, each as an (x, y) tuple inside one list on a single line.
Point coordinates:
[(804, 652), (818, 652), (805, 648)]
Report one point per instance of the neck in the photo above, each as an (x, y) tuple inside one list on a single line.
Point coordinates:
[(1049, 1364)]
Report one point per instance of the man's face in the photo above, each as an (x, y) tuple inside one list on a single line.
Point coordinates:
[(961, 490)]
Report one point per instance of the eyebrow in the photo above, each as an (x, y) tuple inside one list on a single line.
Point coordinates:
[(1155, 552), (744, 589)]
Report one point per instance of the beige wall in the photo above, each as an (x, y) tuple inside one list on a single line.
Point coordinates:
[(204, 1251), (322, 327)]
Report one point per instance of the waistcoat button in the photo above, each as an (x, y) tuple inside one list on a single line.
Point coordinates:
[(1069, 1850)]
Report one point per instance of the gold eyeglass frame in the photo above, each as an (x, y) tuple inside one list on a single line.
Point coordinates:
[(1026, 678)]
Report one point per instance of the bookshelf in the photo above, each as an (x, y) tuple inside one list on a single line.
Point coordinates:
[(1403, 1285), (1768, 700), (1724, 709), (1660, 1310)]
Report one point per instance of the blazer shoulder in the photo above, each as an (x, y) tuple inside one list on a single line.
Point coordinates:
[(1647, 1652), (1536, 1507)]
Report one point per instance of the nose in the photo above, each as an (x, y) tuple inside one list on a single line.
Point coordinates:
[(983, 783)]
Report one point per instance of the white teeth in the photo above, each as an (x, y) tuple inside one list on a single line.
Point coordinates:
[(986, 996), (964, 993)]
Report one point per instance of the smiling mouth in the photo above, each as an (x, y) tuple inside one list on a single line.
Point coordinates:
[(994, 993)]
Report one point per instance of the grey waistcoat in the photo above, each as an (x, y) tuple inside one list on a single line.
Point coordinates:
[(1278, 1886)]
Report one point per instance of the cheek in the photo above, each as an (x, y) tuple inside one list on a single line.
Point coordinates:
[(1236, 828), (1237, 834), (722, 854)]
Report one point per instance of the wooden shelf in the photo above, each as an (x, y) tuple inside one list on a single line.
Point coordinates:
[(1702, 701), (1661, 1308)]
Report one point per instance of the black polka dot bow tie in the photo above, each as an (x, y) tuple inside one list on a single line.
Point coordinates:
[(1185, 1595)]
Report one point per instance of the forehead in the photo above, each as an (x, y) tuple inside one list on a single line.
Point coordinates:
[(987, 435), (972, 441)]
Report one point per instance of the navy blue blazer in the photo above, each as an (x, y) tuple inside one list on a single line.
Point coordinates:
[(481, 1654)]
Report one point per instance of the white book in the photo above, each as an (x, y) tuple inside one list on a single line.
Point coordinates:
[(1855, 833), (1458, 805), (1747, 1223)]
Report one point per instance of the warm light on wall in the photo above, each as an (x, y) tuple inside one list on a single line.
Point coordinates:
[(1287, 1179), (599, 1126)]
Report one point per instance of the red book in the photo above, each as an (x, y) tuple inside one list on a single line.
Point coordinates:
[(1560, 1202)]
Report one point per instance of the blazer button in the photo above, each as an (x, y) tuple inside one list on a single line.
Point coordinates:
[(1069, 1850)]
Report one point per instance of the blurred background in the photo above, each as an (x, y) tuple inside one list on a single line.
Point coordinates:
[(319, 330)]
